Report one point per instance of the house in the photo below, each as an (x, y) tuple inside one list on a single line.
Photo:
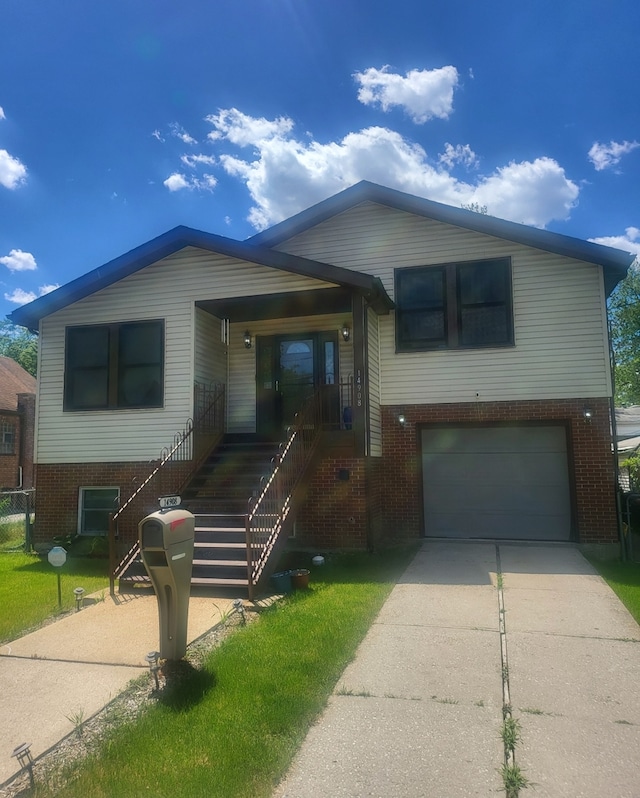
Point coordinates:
[(463, 363), (17, 415)]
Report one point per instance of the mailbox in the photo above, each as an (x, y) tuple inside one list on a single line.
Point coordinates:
[(166, 544)]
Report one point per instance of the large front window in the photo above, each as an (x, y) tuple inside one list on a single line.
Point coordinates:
[(454, 305), (114, 366)]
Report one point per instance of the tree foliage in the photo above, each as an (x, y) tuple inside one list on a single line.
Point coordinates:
[(20, 345), (624, 313)]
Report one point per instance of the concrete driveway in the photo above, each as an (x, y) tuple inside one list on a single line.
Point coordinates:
[(472, 628)]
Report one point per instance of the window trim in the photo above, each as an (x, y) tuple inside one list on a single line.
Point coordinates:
[(453, 308), (81, 493), (113, 367)]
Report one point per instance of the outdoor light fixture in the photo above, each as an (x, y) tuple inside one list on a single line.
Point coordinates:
[(78, 592), (238, 606), (23, 754), (346, 332), (153, 658), (247, 339), (402, 420), (587, 413)]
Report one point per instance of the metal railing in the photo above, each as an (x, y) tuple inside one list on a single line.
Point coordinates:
[(191, 444), (272, 510)]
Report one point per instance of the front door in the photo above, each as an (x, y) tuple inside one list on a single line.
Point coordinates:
[(289, 369)]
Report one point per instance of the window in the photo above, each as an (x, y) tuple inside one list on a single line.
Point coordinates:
[(454, 305), (7, 437), (114, 366), (94, 507)]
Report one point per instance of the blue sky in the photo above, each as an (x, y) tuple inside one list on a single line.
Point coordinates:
[(122, 119)]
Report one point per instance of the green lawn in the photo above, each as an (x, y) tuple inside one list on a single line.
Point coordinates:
[(231, 728), (624, 579), (29, 589)]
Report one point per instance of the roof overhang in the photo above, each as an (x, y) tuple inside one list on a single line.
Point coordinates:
[(614, 262), (179, 238)]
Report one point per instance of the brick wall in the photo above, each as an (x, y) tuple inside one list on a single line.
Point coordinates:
[(590, 455), (57, 494)]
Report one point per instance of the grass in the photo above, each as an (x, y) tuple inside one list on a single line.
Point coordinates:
[(232, 727), (624, 579), (29, 589)]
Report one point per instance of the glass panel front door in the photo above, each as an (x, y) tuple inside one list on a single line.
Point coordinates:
[(296, 376)]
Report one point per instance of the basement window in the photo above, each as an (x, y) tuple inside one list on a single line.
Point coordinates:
[(114, 366), (94, 507), (454, 306)]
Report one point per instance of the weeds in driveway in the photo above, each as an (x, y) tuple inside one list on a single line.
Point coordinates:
[(233, 724), (514, 780)]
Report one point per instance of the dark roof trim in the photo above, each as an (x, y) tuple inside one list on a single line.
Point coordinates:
[(179, 238), (615, 262)]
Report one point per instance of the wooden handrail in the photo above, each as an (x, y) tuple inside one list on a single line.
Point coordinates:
[(193, 443)]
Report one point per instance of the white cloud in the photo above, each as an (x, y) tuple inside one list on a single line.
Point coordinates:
[(602, 156), (193, 161), (20, 297), (423, 94), (2, 115), (180, 133), (629, 242), (177, 182), (19, 261), (12, 171), (285, 175), (241, 129), (48, 288), (461, 153), (157, 135)]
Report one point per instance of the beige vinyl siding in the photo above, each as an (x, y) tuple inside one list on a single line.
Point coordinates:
[(561, 348), (241, 406), (165, 290), (373, 359), (211, 350)]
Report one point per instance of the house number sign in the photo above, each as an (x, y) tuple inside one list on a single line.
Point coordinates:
[(358, 388)]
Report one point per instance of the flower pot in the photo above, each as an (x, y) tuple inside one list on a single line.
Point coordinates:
[(282, 582), (300, 579)]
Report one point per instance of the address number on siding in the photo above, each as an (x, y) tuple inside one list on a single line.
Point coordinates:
[(169, 501)]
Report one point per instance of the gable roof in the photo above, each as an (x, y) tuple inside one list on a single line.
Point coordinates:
[(13, 380), (614, 262), (180, 237)]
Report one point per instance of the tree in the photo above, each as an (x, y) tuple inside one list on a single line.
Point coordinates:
[(624, 314), (20, 345)]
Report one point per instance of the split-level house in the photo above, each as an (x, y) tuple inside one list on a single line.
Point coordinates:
[(427, 370)]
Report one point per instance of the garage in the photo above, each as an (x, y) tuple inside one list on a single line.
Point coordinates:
[(507, 482)]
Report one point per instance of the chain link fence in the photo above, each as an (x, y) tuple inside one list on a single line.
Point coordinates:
[(16, 520)]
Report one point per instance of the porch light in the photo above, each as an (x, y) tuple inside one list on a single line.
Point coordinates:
[(78, 592), (402, 420), (247, 339), (587, 413), (346, 332)]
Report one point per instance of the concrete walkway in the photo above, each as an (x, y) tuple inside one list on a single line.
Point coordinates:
[(418, 713), (72, 668)]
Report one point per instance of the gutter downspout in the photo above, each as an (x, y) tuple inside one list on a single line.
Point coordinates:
[(614, 436)]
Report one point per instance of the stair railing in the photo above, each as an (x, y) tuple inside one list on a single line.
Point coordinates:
[(192, 443), (270, 511)]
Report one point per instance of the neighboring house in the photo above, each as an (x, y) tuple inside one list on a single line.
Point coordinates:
[(477, 351), (627, 440), (17, 415)]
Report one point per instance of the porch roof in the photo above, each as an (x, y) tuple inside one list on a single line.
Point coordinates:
[(173, 241), (614, 262)]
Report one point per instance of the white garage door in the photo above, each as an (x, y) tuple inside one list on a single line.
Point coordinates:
[(496, 482)]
